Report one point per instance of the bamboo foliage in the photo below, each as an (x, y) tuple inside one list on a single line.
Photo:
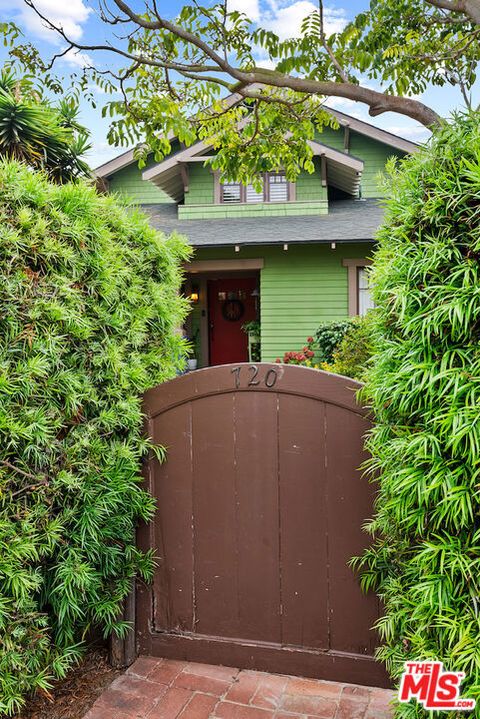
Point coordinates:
[(424, 387), (89, 307)]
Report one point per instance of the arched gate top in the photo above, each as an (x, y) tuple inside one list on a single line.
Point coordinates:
[(262, 377)]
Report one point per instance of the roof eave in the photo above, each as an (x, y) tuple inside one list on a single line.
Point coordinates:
[(279, 243), (376, 133), (360, 126)]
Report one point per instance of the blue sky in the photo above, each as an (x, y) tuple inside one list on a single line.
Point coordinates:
[(80, 20)]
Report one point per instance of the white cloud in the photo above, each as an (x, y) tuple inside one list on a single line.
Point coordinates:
[(77, 58), (251, 8), (285, 17), (101, 152), (343, 104), (286, 20), (68, 14), (412, 132)]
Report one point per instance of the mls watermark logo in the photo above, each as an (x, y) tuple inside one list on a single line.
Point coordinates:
[(429, 684)]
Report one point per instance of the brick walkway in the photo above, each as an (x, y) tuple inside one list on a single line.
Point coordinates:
[(165, 689)]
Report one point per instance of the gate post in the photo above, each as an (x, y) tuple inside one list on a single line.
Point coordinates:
[(122, 650)]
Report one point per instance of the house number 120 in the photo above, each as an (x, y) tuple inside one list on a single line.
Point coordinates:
[(269, 380)]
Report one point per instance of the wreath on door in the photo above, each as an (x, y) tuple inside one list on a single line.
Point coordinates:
[(233, 310)]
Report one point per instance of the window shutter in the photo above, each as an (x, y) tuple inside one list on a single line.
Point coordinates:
[(251, 195), (277, 187)]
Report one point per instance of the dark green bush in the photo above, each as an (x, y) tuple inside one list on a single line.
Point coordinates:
[(351, 356), (425, 390), (327, 338), (88, 312)]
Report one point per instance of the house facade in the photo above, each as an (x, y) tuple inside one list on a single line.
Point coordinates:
[(291, 256)]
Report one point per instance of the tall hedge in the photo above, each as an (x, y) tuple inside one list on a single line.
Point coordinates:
[(425, 392), (89, 306)]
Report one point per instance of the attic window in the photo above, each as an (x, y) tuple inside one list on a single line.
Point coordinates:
[(275, 189), (251, 194), (231, 192)]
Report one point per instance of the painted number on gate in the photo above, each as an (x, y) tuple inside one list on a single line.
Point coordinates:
[(249, 376)]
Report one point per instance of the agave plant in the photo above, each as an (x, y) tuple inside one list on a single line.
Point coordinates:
[(42, 136)]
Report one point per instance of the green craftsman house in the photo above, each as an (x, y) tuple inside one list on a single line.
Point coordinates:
[(291, 256)]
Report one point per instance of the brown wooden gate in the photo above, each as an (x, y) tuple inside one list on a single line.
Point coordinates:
[(260, 507)]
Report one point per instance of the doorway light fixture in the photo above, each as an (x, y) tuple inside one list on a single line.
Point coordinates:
[(194, 294)]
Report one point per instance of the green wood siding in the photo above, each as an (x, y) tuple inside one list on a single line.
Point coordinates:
[(199, 200), (299, 288), (330, 137), (128, 182), (200, 185), (260, 209), (309, 187), (311, 198), (374, 155)]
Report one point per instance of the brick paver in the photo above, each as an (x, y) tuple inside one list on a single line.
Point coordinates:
[(165, 689)]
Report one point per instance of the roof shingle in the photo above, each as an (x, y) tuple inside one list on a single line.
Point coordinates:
[(347, 221)]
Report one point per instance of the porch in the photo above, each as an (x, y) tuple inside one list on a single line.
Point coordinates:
[(288, 289)]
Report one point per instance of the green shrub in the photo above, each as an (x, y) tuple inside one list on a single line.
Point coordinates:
[(328, 337), (88, 312), (352, 355), (425, 390)]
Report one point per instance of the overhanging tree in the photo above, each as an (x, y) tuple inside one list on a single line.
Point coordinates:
[(176, 71)]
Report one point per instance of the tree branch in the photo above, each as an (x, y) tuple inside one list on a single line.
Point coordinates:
[(377, 102), (11, 466), (188, 37), (470, 8), (328, 49)]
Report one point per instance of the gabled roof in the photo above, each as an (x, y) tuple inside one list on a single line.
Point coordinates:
[(118, 163), (363, 128), (347, 221), (126, 158), (375, 133), (344, 171), (168, 174)]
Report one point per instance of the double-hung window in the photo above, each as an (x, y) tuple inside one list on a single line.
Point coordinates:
[(360, 298), (365, 299)]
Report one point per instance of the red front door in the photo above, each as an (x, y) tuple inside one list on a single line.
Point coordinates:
[(230, 305)]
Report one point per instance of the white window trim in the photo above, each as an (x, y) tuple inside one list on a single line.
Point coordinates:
[(352, 266)]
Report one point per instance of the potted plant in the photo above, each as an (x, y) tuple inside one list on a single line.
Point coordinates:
[(192, 362), (254, 347)]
